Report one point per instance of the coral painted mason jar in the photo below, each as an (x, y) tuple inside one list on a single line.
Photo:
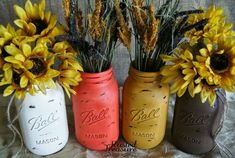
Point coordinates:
[(96, 110), (145, 105)]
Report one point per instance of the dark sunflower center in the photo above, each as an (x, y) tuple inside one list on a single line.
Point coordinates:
[(40, 25), (219, 62), (4, 53), (16, 78), (38, 66)]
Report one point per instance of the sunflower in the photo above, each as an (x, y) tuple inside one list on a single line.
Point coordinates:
[(65, 53), (33, 20), (180, 72), (211, 24), (69, 76), (14, 86), (35, 64), (7, 35), (207, 92), (216, 63), (69, 67), (63, 50)]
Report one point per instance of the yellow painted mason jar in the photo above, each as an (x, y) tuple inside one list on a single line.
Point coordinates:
[(145, 106)]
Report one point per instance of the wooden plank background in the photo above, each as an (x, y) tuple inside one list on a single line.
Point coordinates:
[(121, 58)]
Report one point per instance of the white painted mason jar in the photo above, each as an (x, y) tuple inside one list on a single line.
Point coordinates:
[(43, 121)]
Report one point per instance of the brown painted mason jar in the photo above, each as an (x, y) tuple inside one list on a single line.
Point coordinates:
[(145, 104), (196, 124)]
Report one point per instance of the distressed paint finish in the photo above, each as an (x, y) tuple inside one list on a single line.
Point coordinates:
[(121, 59), (96, 110), (40, 117), (145, 105)]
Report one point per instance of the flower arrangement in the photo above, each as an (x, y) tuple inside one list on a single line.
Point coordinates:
[(153, 29), (157, 30), (205, 61), (92, 32), (31, 60)]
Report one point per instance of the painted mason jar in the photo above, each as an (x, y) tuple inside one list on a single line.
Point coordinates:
[(196, 124), (145, 105), (43, 121), (96, 110)]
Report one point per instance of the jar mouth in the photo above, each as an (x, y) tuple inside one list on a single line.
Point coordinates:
[(146, 77), (97, 74), (143, 74), (99, 77)]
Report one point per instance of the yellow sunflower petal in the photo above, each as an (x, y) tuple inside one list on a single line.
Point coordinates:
[(29, 8), (175, 87), (204, 95), (69, 73), (191, 89), (23, 81), (188, 71), (212, 99), (32, 29), (28, 64), (50, 84), (20, 94), (76, 65), (20, 57), (186, 65), (181, 91), (66, 90), (8, 74), (12, 59), (12, 49), (168, 58), (188, 54), (47, 16), (7, 66), (2, 41), (20, 12), (51, 73), (209, 47), (232, 70), (71, 81), (41, 7), (42, 88), (165, 71), (197, 89), (26, 50), (32, 90), (7, 36), (169, 79), (200, 59), (20, 23), (185, 84), (203, 52), (8, 91), (220, 52)]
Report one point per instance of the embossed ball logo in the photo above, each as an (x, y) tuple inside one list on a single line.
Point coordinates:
[(92, 117), (141, 115)]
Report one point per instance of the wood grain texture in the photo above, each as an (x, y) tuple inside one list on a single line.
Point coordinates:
[(121, 59)]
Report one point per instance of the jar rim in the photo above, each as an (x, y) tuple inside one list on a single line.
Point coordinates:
[(97, 78), (97, 74), (143, 74)]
